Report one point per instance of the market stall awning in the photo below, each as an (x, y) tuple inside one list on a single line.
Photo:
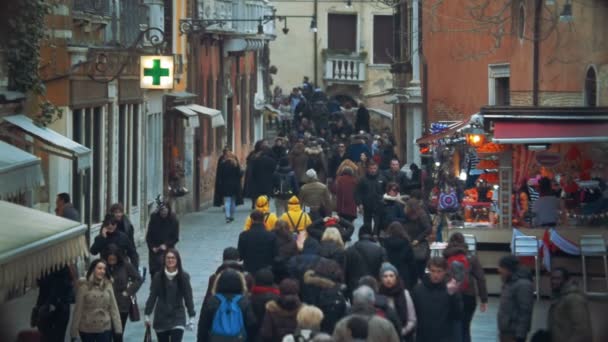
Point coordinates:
[(428, 139), (34, 242), (217, 120), (81, 153), (19, 170), (547, 132)]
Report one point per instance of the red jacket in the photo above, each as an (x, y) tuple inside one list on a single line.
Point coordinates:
[(345, 195)]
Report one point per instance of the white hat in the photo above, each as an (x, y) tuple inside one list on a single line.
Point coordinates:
[(311, 174)]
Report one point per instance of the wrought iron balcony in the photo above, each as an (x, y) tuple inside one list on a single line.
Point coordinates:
[(344, 68)]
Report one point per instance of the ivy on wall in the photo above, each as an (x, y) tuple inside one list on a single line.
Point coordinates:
[(25, 24)]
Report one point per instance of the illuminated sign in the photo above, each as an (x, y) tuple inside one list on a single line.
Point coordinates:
[(156, 72)]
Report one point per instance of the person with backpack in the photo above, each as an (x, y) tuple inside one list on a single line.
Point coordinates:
[(170, 298), (230, 259), (315, 196), (280, 318), (228, 315), (399, 298), (262, 204), (297, 219), (285, 185), (257, 246), (470, 277), (309, 324)]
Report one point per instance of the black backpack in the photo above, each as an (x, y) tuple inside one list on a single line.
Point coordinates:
[(333, 304), (284, 189)]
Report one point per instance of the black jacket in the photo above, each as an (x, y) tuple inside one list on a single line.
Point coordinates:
[(126, 227), (228, 183), (317, 228), (334, 164), (125, 278), (257, 248), (363, 258), (362, 120), (121, 240), (210, 307), (399, 252), (369, 191), (332, 251), (262, 169), (516, 304), (398, 177), (436, 310), (160, 231), (292, 182), (169, 303), (259, 297), (56, 288), (392, 211)]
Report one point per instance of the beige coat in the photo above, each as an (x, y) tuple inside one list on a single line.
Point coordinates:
[(96, 310)]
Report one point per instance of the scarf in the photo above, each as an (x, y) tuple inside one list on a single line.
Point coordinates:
[(170, 275), (258, 290), (397, 294)]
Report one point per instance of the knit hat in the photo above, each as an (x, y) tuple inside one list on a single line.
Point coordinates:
[(388, 267), (311, 174), (331, 222)]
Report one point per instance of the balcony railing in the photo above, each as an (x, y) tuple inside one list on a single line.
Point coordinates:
[(344, 68), (96, 7)]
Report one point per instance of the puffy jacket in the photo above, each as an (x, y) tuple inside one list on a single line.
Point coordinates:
[(516, 305), (279, 320), (363, 258), (262, 204), (295, 217), (315, 195), (369, 191), (209, 309), (569, 319)]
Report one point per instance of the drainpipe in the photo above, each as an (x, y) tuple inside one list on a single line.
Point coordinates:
[(538, 5), (315, 49)]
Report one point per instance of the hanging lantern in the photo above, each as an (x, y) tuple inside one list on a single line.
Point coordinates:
[(476, 137)]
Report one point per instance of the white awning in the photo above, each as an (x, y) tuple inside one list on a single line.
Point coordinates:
[(217, 120), (81, 153), (19, 170), (34, 243)]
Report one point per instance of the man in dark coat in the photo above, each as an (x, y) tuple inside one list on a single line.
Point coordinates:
[(64, 208), (362, 121), (394, 174), (364, 258), (56, 293), (569, 318), (262, 169), (516, 300), (257, 246), (368, 196), (123, 223), (336, 159), (109, 234), (162, 234)]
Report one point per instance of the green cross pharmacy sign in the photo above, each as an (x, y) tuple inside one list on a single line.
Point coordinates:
[(156, 72)]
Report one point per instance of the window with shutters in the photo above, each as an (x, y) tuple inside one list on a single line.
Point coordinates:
[(384, 50), (342, 32)]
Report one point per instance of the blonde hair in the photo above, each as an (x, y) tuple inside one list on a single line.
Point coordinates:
[(333, 234), (309, 317)]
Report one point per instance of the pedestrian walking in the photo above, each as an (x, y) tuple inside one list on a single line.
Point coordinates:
[(126, 280), (96, 313), (471, 281), (257, 246), (569, 319), (285, 185), (394, 174), (279, 150), (332, 247), (230, 260), (399, 298), (263, 291), (393, 208), (227, 315), (251, 157), (228, 190), (110, 235), (162, 234), (314, 196), (296, 218), (364, 258), (516, 300), (382, 304), (298, 160), (65, 208), (436, 308), (170, 298), (319, 226), (357, 148), (317, 160), (368, 196), (52, 311), (418, 227), (262, 204), (298, 265), (123, 223), (308, 324), (346, 183), (280, 319), (377, 329), (287, 248), (399, 252), (336, 159), (362, 119), (262, 169)]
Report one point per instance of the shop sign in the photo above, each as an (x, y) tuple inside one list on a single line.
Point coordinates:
[(156, 72), (548, 159)]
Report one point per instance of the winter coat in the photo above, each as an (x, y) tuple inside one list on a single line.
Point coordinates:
[(293, 183), (279, 152), (295, 217), (477, 278), (315, 195), (298, 265), (229, 264), (398, 177), (353, 152), (209, 309), (228, 182), (125, 226), (387, 153), (332, 251), (516, 305), (95, 310), (315, 289), (262, 204), (334, 163), (298, 160), (121, 240), (436, 310), (259, 297), (169, 302), (248, 187), (363, 258), (125, 280), (362, 120), (419, 229), (317, 161), (392, 211), (345, 195), (568, 318), (399, 252), (161, 231), (400, 300), (262, 169), (385, 309), (257, 248), (280, 320), (378, 329), (369, 191), (70, 213), (56, 288), (317, 228)]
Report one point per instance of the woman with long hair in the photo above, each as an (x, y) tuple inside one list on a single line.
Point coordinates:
[(170, 297), (125, 282), (96, 312), (332, 246), (228, 184), (399, 252), (399, 298), (162, 234), (419, 228)]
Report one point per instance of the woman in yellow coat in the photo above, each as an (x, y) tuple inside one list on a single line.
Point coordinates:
[(295, 217), (262, 204)]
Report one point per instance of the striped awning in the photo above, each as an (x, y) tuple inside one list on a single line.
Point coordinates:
[(19, 170)]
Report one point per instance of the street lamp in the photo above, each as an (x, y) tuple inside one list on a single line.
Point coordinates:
[(349, 3), (566, 15), (313, 25)]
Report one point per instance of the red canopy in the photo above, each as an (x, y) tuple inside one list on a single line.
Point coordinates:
[(539, 132)]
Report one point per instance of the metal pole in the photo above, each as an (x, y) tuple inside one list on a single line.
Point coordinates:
[(315, 47)]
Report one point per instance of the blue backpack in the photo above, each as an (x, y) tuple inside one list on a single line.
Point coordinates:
[(228, 324)]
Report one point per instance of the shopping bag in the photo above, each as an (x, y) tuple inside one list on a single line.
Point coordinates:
[(148, 335)]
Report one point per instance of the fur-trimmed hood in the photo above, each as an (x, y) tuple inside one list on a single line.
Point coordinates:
[(311, 278), (399, 199), (314, 150), (241, 277), (275, 308)]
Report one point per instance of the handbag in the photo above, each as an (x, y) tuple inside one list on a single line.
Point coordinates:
[(448, 201), (148, 335), (134, 315), (421, 250)]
